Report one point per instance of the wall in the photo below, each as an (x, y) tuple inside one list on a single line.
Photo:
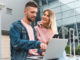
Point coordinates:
[(17, 7), (0, 34)]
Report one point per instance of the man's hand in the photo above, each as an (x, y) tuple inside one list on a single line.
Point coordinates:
[(43, 46), (43, 53)]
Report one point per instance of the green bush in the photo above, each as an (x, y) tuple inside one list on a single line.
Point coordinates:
[(78, 50), (67, 49)]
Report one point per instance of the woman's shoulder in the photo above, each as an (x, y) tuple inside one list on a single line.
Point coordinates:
[(36, 27), (39, 23)]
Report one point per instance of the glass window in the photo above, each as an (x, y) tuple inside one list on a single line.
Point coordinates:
[(49, 1), (76, 4), (77, 11), (43, 2), (67, 7), (44, 7), (58, 16), (54, 4), (66, 1), (69, 20), (78, 18), (59, 22), (68, 13), (57, 9), (9, 11)]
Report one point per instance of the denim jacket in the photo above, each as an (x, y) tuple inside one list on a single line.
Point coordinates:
[(20, 43)]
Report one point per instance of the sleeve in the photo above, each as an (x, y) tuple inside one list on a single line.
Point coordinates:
[(40, 51), (18, 43)]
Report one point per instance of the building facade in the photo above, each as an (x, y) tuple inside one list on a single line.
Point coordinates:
[(67, 15)]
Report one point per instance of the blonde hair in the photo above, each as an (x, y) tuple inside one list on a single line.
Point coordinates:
[(52, 23)]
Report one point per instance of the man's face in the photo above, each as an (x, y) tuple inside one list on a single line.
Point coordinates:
[(30, 13)]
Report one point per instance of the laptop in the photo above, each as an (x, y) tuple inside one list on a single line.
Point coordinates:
[(54, 49)]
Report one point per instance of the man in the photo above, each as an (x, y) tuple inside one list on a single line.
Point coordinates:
[(22, 34)]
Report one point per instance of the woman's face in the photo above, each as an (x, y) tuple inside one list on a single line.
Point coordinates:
[(45, 18)]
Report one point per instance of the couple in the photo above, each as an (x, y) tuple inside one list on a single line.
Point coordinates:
[(23, 39)]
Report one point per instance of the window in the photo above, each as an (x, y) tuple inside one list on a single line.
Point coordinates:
[(9, 11)]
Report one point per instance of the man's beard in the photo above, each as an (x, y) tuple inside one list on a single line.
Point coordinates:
[(29, 19)]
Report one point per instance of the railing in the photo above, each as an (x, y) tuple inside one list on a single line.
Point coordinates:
[(72, 37)]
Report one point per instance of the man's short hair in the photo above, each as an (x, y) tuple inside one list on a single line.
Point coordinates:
[(31, 4)]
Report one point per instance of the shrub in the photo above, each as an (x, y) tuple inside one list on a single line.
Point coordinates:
[(67, 49), (78, 50)]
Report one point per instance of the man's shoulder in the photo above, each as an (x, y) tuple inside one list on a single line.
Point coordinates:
[(16, 22), (17, 25)]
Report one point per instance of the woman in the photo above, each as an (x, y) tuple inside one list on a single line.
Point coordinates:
[(46, 28)]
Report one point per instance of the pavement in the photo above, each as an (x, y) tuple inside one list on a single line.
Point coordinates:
[(67, 58), (73, 58)]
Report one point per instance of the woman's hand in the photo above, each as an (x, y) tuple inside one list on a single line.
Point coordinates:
[(48, 41), (43, 46)]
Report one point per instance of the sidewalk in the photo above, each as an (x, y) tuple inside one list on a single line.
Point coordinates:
[(73, 58)]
